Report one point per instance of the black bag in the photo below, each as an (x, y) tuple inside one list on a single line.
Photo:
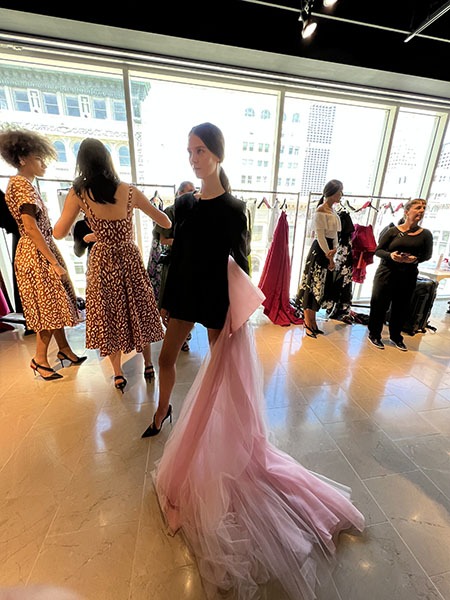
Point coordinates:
[(420, 308)]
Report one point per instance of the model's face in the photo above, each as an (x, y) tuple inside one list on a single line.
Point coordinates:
[(202, 160), (336, 197), (34, 166)]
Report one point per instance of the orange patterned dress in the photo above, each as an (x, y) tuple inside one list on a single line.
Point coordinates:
[(121, 311), (48, 301)]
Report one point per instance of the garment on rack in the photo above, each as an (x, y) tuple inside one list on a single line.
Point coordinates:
[(274, 216), (363, 251), (276, 278), (338, 293), (250, 513)]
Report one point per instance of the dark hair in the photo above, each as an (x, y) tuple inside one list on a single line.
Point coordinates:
[(331, 187), (412, 202), (213, 139), (17, 143), (95, 172), (182, 187)]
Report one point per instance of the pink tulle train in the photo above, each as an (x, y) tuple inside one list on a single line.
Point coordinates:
[(250, 512)]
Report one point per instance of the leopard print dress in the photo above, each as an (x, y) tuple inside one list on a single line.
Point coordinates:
[(121, 311), (48, 301)]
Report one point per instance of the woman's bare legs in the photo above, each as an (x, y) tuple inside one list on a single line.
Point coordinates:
[(63, 344), (176, 334), (116, 362), (43, 338), (147, 355), (310, 318)]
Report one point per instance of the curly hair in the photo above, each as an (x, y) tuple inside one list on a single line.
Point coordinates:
[(17, 143)]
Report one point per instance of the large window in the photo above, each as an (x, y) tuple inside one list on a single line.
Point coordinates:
[(378, 149)]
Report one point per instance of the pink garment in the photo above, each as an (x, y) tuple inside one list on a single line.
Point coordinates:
[(4, 308), (363, 251), (250, 512), (276, 278)]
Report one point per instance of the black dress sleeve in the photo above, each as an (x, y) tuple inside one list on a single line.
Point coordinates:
[(240, 249)]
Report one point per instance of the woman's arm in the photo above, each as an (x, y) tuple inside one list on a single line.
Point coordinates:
[(69, 214), (141, 201), (35, 235)]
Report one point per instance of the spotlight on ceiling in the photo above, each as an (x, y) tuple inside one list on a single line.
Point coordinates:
[(308, 23), (329, 3)]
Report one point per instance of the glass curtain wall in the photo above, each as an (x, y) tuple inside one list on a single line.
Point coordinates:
[(281, 145)]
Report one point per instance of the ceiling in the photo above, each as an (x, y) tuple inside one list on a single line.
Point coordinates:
[(358, 33)]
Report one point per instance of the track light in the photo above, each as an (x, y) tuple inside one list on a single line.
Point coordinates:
[(308, 23)]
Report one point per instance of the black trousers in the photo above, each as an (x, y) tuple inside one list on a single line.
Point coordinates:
[(394, 287)]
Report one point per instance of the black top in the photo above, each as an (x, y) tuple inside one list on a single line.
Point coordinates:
[(394, 240), (206, 233)]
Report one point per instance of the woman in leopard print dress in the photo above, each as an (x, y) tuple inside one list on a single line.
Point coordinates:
[(121, 311), (47, 294)]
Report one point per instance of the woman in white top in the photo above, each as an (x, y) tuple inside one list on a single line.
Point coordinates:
[(320, 261)]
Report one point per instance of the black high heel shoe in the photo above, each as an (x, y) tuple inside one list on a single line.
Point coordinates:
[(120, 382), (54, 374), (309, 332), (152, 430), (62, 357), (149, 373), (318, 331)]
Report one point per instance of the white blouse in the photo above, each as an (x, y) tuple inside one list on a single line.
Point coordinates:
[(327, 225)]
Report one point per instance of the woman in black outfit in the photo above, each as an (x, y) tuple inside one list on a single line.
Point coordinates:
[(209, 226), (401, 248)]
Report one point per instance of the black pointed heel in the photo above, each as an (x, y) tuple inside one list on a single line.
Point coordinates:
[(309, 332), (54, 374), (318, 331), (149, 373), (62, 357), (152, 430), (120, 382)]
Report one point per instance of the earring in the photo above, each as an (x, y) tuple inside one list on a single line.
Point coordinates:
[(22, 163)]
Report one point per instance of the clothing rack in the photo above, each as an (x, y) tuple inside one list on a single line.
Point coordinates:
[(364, 209)]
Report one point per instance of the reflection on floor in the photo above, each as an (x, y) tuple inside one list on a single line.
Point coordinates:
[(77, 504)]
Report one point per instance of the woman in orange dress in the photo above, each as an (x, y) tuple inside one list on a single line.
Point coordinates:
[(47, 294)]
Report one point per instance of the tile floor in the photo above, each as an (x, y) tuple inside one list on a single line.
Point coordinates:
[(77, 506)]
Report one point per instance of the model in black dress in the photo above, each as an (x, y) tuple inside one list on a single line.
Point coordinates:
[(210, 226)]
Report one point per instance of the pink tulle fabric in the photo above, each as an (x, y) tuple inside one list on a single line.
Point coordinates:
[(250, 513)]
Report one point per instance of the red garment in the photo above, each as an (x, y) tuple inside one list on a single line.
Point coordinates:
[(4, 308), (276, 276), (363, 251)]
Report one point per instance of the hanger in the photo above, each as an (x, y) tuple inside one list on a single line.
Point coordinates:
[(367, 204), (350, 206), (264, 201), (284, 205), (388, 205), (401, 205)]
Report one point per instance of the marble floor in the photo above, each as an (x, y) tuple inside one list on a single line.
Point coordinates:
[(77, 505)]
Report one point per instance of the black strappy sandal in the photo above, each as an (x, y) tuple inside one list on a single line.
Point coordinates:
[(120, 382), (149, 373)]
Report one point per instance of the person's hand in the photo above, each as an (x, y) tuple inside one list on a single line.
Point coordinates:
[(59, 270), (90, 237), (409, 258), (164, 316), (332, 264), (331, 253), (397, 256)]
